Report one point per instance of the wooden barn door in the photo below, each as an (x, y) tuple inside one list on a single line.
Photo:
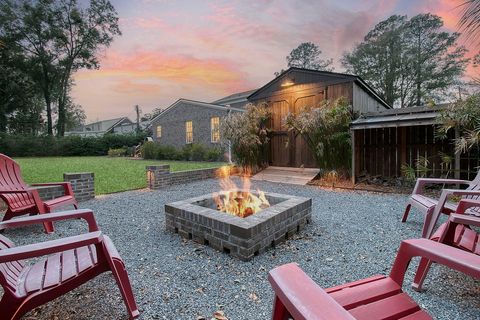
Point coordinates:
[(303, 155), (280, 155)]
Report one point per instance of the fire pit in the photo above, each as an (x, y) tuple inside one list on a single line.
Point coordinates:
[(237, 221)]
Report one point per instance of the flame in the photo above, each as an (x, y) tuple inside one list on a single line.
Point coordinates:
[(236, 201)]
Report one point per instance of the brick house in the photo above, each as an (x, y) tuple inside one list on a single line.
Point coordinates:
[(188, 121)]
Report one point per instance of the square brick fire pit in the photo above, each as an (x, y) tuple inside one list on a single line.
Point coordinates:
[(198, 219)]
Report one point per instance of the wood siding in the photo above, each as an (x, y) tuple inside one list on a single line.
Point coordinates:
[(382, 151), (363, 102)]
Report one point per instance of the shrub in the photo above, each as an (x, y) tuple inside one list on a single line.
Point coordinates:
[(248, 135), (191, 152), (326, 132), (35, 146), (214, 154), (117, 152)]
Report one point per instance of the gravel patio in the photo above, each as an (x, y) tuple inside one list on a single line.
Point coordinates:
[(353, 235)]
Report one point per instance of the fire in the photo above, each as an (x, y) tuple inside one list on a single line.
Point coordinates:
[(236, 201)]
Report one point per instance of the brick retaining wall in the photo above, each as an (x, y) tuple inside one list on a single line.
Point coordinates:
[(159, 177), (83, 184)]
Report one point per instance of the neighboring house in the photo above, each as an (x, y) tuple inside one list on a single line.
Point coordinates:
[(118, 125), (188, 121), (236, 100), (298, 88)]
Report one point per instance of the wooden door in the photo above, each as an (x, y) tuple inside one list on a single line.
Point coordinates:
[(280, 154), (303, 155)]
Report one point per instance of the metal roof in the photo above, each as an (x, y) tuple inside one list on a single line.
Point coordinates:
[(413, 116), (236, 97)]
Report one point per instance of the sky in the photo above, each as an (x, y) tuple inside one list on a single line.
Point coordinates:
[(205, 50)]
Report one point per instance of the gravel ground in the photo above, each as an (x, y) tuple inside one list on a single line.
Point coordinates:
[(353, 235)]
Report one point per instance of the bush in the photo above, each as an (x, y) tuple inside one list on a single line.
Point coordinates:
[(117, 152), (191, 152), (37, 146)]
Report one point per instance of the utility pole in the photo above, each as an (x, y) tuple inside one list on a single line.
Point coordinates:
[(137, 110)]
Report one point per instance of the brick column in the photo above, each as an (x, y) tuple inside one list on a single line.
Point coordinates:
[(83, 184), (158, 176)]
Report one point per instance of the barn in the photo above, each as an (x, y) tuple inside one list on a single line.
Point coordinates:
[(297, 88)]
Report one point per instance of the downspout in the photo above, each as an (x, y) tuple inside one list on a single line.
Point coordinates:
[(229, 143)]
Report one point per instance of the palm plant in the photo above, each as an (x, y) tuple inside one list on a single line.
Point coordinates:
[(470, 20)]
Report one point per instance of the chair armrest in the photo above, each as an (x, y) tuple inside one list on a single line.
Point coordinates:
[(422, 182), (302, 297), (451, 257), (49, 247), (85, 214), (67, 186), (464, 219), (446, 193), (465, 204)]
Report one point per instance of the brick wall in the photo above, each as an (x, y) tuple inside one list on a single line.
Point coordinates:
[(159, 177), (83, 184), (173, 124)]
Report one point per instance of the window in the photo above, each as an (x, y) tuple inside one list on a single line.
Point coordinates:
[(215, 129), (188, 132), (159, 131)]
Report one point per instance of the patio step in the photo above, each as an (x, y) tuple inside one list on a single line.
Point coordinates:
[(298, 176)]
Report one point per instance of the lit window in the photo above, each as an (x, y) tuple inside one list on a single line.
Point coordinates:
[(188, 132), (215, 129), (159, 131)]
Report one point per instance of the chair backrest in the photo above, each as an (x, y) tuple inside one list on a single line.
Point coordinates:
[(474, 185), (9, 271), (11, 179)]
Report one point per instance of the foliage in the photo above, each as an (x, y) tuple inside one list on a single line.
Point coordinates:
[(57, 38), (111, 174), (470, 20), (408, 61), (149, 116), (190, 152), (307, 56), (117, 152), (30, 146), (463, 115), (325, 129), (248, 135)]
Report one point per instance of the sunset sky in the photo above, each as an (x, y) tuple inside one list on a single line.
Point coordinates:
[(205, 50)]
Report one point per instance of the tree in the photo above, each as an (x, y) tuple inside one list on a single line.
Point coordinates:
[(379, 59), (80, 34), (75, 116), (307, 56), (437, 60), (58, 37), (409, 61), (27, 26), (149, 116)]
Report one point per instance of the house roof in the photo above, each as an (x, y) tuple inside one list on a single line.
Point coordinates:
[(412, 116), (105, 125), (194, 103), (365, 86), (235, 98)]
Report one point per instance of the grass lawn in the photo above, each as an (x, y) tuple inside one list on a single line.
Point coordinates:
[(111, 174)]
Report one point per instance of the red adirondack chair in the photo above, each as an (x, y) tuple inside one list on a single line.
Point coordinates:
[(379, 297), (455, 232), (23, 199), (432, 208), (71, 262)]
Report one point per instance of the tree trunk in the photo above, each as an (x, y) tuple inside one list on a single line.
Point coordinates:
[(48, 99), (62, 101)]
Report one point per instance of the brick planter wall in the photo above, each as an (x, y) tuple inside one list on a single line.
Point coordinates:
[(159, 177), (83, 184)]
